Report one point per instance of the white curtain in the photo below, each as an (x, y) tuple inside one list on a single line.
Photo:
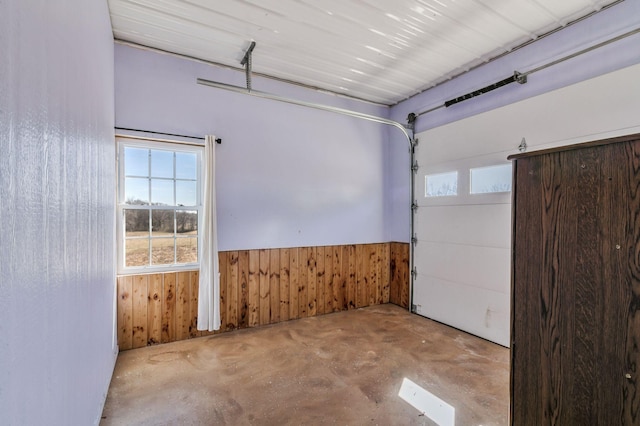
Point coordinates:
[(209, 291)]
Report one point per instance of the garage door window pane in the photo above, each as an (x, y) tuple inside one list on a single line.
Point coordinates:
[(441, 184), (485, 180)]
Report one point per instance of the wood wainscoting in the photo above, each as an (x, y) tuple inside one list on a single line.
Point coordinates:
[(259, 287)]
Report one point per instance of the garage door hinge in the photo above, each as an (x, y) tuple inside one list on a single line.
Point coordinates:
[(414, 143)]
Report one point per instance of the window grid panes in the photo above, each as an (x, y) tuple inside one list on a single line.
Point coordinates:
[(160, 206)]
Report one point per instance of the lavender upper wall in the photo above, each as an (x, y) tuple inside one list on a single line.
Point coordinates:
[(287, 176), (57, 286), (600, 27)]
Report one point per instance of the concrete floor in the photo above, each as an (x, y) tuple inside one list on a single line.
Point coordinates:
[(344, 368)]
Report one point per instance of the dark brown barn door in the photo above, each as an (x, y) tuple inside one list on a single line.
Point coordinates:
[(576, 287)]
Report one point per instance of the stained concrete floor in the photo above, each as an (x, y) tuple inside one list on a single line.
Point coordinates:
[(344, 368)]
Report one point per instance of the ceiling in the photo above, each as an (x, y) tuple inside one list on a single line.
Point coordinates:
[(382, 51)]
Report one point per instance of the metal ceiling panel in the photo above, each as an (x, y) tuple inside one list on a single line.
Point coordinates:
[(382, 51)]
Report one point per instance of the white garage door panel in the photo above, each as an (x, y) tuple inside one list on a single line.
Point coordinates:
[(467, 224), (476, 310), (475, 266), (462, 254)]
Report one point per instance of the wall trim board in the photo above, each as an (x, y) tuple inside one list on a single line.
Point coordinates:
[(263, 286)]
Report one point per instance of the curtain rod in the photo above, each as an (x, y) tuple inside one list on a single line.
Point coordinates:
[(127, 129)]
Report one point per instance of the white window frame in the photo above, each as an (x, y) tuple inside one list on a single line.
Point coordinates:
[(121, 143)]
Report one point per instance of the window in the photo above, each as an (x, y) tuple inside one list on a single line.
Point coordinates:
[(159, 206), (441, 184), (485, 180)]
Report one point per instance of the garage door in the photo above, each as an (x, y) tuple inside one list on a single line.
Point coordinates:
[(463, 219)]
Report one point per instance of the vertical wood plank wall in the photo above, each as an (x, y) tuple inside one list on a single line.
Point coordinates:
[(259, 287)]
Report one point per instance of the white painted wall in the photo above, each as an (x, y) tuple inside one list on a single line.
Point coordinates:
[(57, 181), (463, 252)]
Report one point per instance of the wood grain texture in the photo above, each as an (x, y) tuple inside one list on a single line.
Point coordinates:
[(343, 300), (526, 398), (385, 278), (254, 288), (125, 311), (223, 261), (194, 285), (259, 287), (320, 281), (352, 289), (628, 255), (154, 309), (169, 307), (274, 285), (312, 281), (303, 281), (139, 317), (361, 277), (265, 299), (294, 282), (233, 290), (586, 289), (337, 285), (328, 280), (285, 282), (372, 269), (183, 310), (243, 277), (553, 323), (399, 274), (576, 286)]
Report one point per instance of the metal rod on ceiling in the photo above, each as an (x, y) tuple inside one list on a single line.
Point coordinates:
[(220, 65), (343, 111), (516, 77), (583, 51), (521, 77)]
